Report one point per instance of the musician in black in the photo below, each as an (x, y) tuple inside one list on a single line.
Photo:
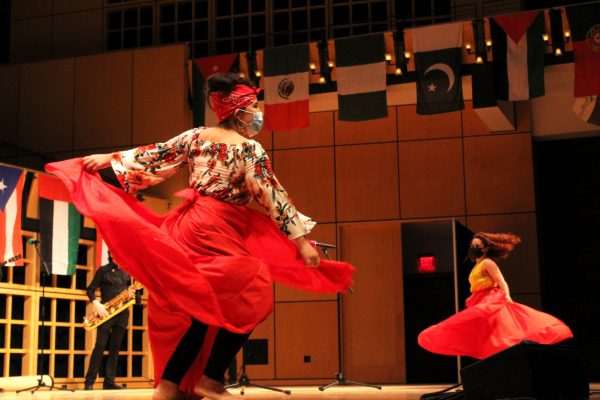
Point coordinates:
[(111, 280)]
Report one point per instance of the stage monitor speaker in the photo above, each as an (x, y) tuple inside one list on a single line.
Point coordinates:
[(528, 370)]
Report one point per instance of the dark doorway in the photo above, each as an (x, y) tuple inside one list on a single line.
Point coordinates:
[(434, 266), (568, 204)]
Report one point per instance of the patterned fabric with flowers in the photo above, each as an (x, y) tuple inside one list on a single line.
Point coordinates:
[(235, 173)]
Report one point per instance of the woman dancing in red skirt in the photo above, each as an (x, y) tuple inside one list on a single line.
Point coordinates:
[(210, 264), (492, 321)]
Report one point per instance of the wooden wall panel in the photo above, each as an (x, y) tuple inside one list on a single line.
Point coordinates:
[(46, 106), (431, 176), (412, 126), (521, 269), (319, 133), (472, 124), (61, 6), (324, 233), (307, 175), (31, 9), (372, 131), (77, 33), (265, 138), (523, 116), (266, 330), (103, 96), (499, 174), (373, 316), (9, 101), (296, 338), (160, 93), (30, 39), (367, 182)]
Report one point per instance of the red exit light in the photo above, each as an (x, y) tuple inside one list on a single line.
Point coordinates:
[(427, 264)]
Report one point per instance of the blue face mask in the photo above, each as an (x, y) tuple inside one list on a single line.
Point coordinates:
[(254, 127)]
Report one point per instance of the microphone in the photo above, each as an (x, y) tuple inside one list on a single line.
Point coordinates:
[(33, 241), (324, 246)]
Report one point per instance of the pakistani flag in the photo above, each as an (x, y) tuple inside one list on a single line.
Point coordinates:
[(519, 51), (361, 77), (286, 87), (588, 109), (438, 57), (60, 224)]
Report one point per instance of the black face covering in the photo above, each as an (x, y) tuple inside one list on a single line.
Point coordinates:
[(475, 253)]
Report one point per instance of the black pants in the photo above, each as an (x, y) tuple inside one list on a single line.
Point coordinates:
[(226, 346), (114, 328)]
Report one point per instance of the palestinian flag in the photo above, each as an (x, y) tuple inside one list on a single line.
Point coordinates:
[(588, 109), (60, 224), (519, 50), (199, 69), (361, 77), (438, 59), (584, 21), (286, 87), (11, 190)]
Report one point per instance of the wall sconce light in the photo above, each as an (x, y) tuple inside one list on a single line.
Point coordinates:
[(479, 60), (325, 65), (400, 53), (313, 67), (388, 58), (556, 32), (488, 45), (545, 37), (567, 36), (257, 73), (468, 48)]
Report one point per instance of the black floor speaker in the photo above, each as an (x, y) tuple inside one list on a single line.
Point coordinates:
[(528, 370)]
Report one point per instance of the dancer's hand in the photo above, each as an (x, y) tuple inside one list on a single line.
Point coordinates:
[(509, 300), (96, 162), (309, 254), (100, 309)]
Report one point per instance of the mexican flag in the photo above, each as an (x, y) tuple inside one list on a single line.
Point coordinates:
[(60, 225), (519, 50), (286, 87), (361, 77), (584, 21)]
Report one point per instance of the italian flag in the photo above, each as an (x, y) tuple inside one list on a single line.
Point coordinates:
[(286, 87), (361, 77), (519, 50), (60, 225)]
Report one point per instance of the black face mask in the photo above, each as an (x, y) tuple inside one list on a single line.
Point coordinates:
[(475, 253)]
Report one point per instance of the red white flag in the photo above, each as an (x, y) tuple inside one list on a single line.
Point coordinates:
[(11, 189), (584, 21), (286, 87)]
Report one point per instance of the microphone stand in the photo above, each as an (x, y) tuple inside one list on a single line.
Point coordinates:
[(44, 274), (340, 378)]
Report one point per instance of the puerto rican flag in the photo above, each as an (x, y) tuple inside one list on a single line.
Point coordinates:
[(11, 191)]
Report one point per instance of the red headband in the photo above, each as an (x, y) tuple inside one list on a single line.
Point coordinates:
[(241, 96)]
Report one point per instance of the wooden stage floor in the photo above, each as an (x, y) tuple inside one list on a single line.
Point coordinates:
[(388, 392)]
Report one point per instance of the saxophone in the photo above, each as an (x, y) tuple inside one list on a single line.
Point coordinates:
[(114, 306)]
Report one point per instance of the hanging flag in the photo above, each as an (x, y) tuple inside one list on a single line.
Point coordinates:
[(438, 52), (11, 189), (588, 109), (519, 50), (60, 225), (361, 77), (101, 250), (199, 69), (498, 115), (584, 22), (286, 87)]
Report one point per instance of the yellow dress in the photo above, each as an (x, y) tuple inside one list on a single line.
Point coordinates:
[(479, 280)]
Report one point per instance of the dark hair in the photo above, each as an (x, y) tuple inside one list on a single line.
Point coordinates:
[(498, 245), (223, 82)]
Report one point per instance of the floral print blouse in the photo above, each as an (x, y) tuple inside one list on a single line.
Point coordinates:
[(235, 173)]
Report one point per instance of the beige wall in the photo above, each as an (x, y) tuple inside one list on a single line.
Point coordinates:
[(359, 180)]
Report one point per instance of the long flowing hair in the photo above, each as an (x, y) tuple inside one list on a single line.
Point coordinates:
[(498, 245)]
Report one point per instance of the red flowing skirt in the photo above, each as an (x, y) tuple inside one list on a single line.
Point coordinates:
[(490, 324), (208, 260)]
